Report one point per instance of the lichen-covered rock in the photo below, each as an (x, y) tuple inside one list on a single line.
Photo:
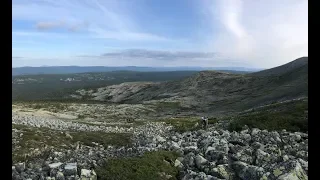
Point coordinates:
[(289, 170), (245, 171), (223, 172)]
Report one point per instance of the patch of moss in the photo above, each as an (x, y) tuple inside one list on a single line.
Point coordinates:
[(46, 105), (124, 125), (152, 165), (160, 106), (36, 138), (105, 139), (184, 124), (81, 116), (39, 137)]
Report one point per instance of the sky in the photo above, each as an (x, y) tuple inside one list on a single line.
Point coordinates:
[(206, 33)]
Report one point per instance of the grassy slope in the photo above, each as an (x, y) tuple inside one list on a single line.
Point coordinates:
[(291, 116)]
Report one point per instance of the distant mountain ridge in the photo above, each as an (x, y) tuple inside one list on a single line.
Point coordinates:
[(85, 69)]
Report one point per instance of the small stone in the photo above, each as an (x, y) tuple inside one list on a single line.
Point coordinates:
[(20, 167), (60, 176), (215, 133), (55, 165), (68, 135), (257, 145), (70, 169), (88, 174), (85, 173), (180, 159), (175, 145), (177, 163), (255, 131), (297, 137), (160, 139), (200, 161), (244, 131), (209, 149), (285, 158), (247, 137), (222, 171), (191, 162), (223, 160)]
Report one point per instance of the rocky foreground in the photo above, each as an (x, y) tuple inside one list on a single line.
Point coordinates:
[(204, 154)]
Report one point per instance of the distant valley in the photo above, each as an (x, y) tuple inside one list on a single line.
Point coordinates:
[(86, 69)]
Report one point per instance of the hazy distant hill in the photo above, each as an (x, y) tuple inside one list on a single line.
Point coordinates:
[(85, 69)]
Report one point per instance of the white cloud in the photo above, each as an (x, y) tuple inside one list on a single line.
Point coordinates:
[(254, 32), (265, 33), (104, 19), (147, 57), (16, 34), (122, 35), (49, 25)]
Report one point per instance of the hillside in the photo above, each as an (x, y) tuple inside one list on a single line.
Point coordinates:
[(300, 63), (56, 86), (215, 92), (185, 92)]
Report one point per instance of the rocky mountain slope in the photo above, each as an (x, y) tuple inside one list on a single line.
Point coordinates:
[(265, 138), (209, 154), (215, 92)]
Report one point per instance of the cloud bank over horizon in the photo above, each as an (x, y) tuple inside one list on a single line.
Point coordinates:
[(208, 33)]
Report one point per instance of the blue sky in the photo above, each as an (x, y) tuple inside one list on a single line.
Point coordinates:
[(208, 33)]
